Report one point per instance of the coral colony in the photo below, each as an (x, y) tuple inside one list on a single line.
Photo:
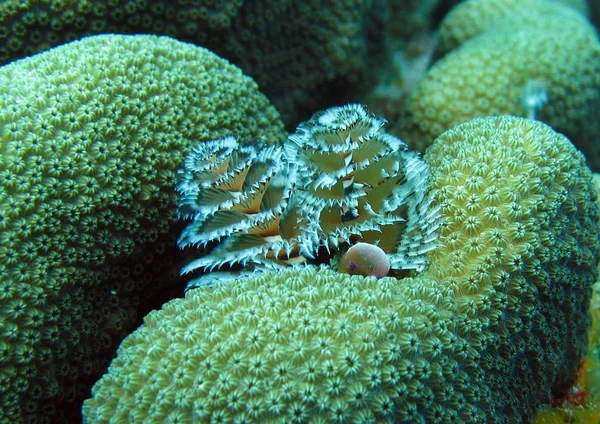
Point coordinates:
[(490, 326), (338, 180), (488, 330)]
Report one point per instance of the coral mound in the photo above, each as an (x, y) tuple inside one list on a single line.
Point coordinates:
[(471, 18), (495, 64), (91, 134), (302, 53), (488, 333)]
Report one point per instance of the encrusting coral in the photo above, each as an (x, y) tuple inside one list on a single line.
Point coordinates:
[(502, 52), (339, 179), (487, 333), (524, 236), (91, 134)]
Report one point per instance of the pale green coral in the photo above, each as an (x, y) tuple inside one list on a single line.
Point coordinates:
[(486, 334), (295, 347), (471, 18), (491, 73), (91, 134)]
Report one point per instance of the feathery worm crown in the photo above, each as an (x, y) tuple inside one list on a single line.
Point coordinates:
[(235, 194), (358, 183), (339, 179)]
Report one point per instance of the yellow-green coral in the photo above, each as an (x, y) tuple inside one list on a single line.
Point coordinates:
[(283, 347), (493, 74), (486, 334), (90, 136), (532, 226)]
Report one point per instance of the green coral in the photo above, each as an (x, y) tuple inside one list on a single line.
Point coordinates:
[(471, 18), (558, 53), (524, 237), (492, 328), (37, 25), (300, 53), (91, 134)]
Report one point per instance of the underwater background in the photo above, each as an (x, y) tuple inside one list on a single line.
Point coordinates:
[(384, 211)]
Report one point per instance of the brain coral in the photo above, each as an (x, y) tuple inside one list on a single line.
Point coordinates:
[(558, 53), (91, 134), (300, 53), (487, 333)]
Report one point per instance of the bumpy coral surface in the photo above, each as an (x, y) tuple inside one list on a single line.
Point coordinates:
[(300, 52), (37, 25), (471, 18), (521, 247), (488, 333), (552, 49), (91, 134)]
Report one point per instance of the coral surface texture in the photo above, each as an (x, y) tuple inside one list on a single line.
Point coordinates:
[(487, 333), (91, 134)]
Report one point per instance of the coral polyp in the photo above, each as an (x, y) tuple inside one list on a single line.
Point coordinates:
[(338, 180)]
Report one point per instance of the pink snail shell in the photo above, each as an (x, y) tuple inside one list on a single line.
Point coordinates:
[(365, 259)]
